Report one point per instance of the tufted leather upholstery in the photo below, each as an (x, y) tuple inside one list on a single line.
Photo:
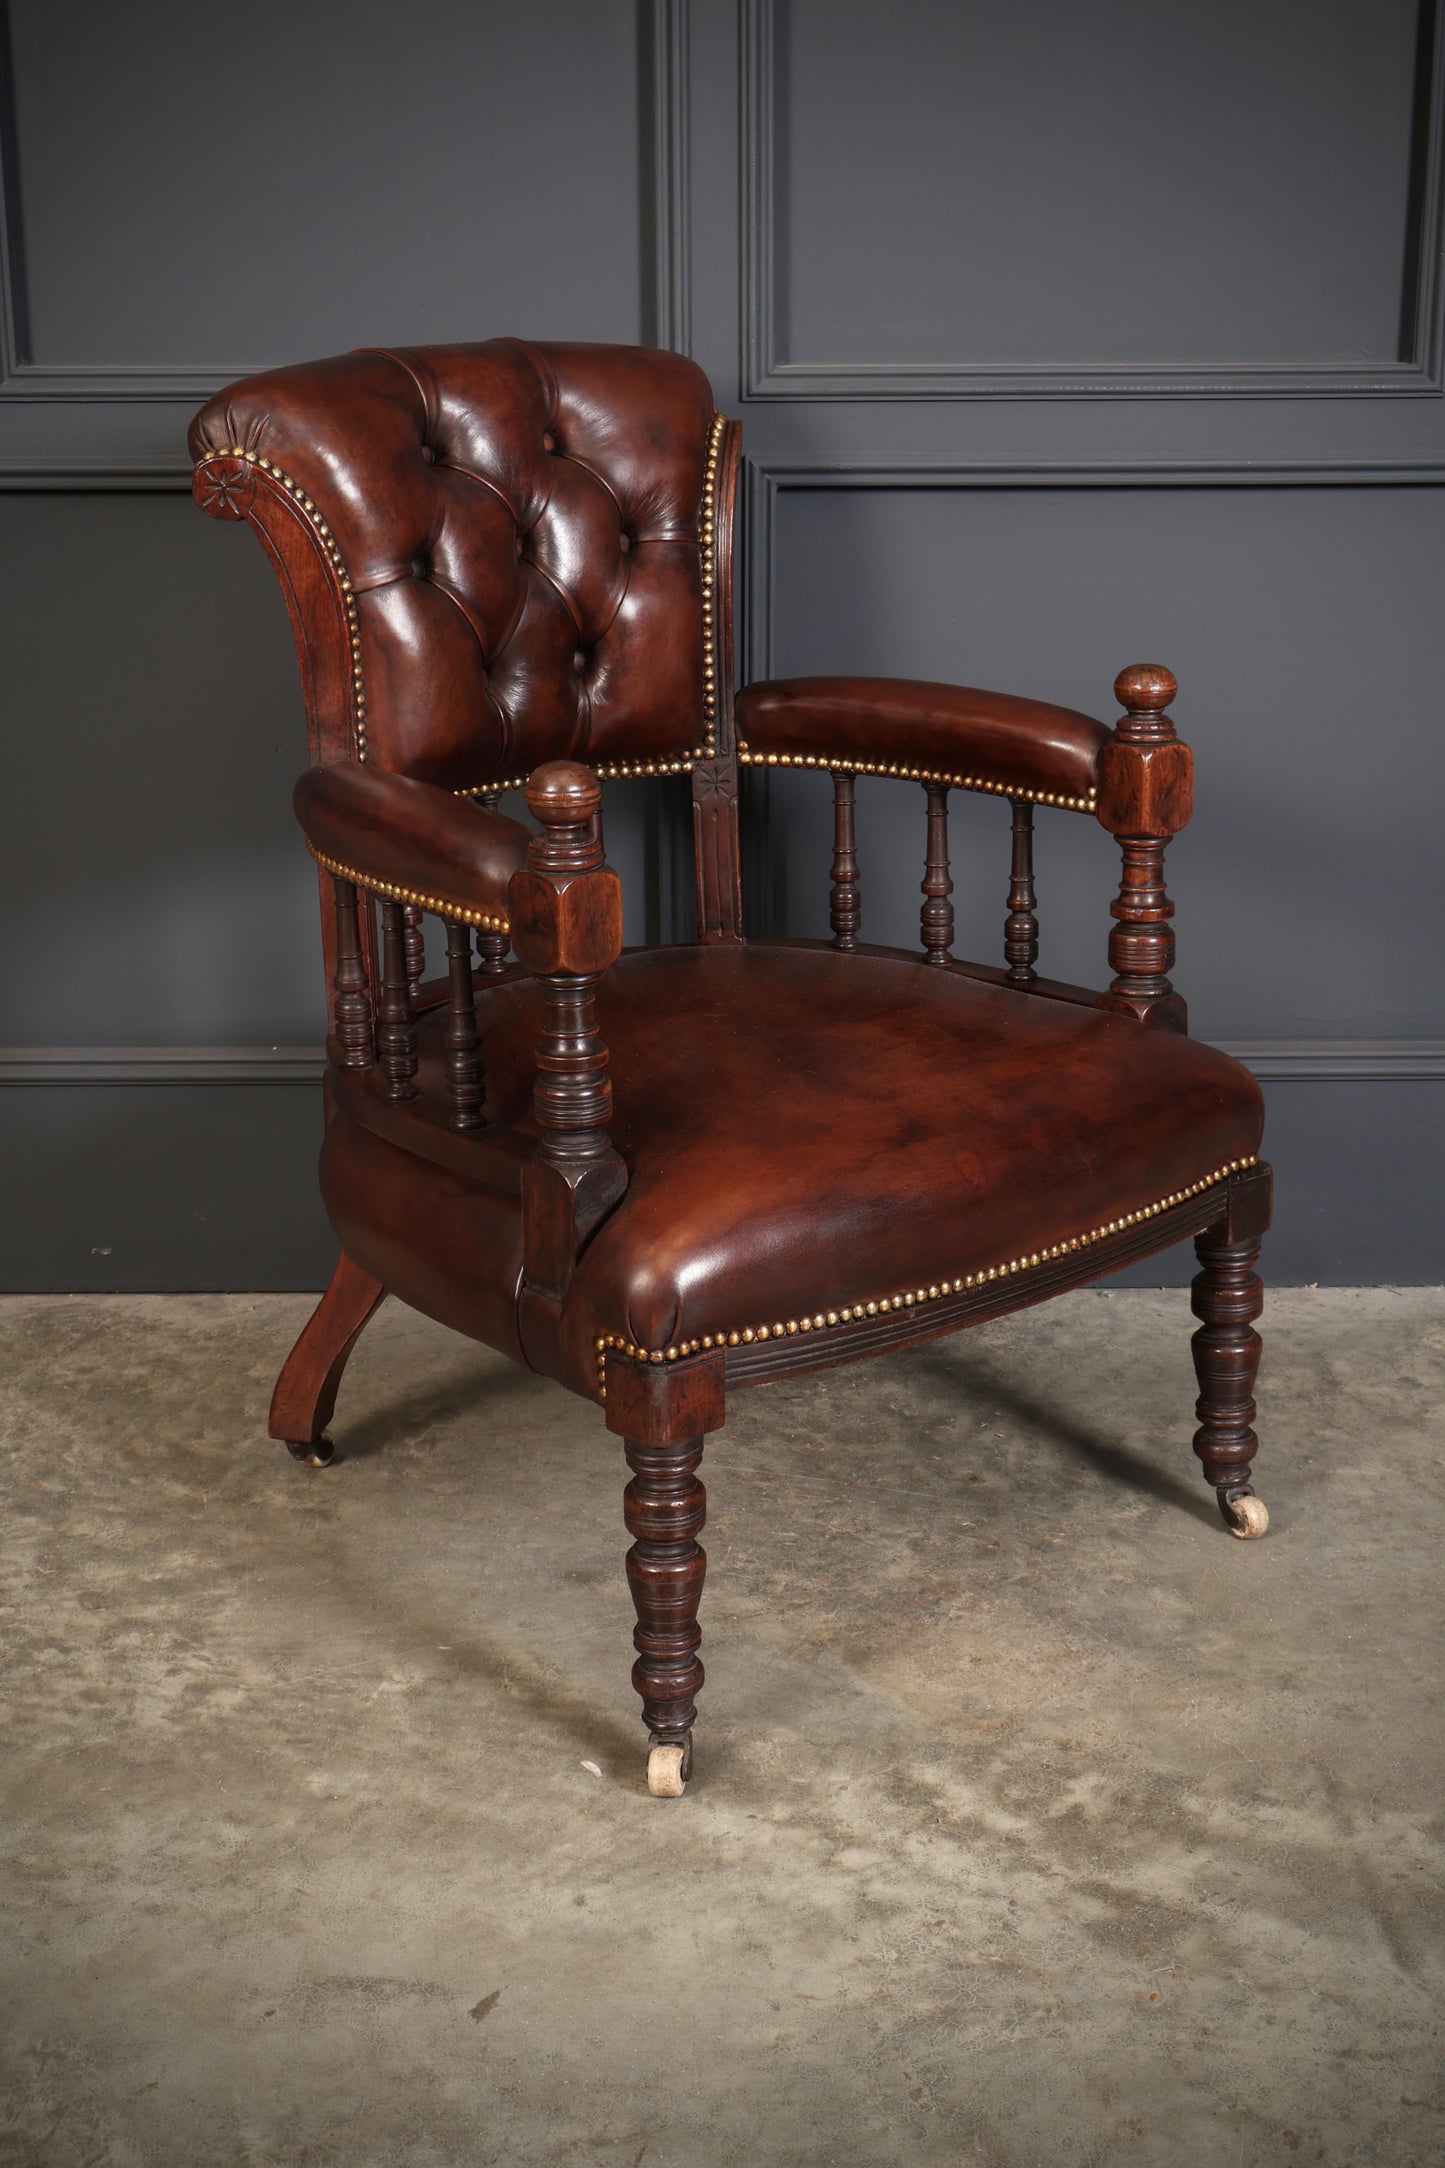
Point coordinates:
[(520, 527)]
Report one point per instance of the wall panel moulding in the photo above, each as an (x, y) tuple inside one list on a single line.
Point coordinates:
[(947, 216)]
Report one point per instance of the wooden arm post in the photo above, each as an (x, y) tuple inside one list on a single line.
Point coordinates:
[(1146, 795), (566, 916)]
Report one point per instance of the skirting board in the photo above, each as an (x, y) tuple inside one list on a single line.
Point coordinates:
[(1272, 1061)]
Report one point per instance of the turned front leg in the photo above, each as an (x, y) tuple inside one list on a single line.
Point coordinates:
[(665, 1507), (662, 1414), (1227, 1297)]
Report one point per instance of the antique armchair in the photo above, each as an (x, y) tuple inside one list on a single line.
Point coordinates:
[(661, 1175)]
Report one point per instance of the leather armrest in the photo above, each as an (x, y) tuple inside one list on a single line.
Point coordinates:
[(946, 733), (411, 841)]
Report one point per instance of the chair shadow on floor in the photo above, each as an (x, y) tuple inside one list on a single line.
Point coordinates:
[(574, 1716), (467, 1391), (476, 1387), (1045, 1422)]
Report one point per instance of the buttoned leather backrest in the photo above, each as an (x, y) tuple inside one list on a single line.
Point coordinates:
[(512, 532)]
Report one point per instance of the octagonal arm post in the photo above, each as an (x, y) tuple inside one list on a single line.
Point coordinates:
[(1145, 796), (566, 920)]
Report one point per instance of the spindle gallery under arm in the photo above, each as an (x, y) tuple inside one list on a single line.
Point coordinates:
[(509, 561)]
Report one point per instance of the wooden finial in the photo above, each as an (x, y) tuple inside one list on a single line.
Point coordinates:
[(565, 797), (1145, 690), (1145, 685), (563, 794)]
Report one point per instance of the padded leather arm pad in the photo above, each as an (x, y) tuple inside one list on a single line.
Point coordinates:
[(411, 841), (953, 733)]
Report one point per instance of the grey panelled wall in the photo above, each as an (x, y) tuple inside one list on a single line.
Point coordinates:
[(1063, 338)]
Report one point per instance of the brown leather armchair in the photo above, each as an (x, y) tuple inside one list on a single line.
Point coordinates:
[(659, 1176)]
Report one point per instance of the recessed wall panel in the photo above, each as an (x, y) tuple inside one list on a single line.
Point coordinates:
[(216, 188), (1122, 186)]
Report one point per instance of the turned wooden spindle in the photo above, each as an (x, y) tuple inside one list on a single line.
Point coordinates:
[(662, 1415), (492, 947), (845, 898), (352, 1008), (572, 1096), (566, 910), (466, 1088), (396, 1036), (1021, 927), (665, 1507), (414, 921), (492, 954), (936, 918), (1145, 798), (1227, 1297)]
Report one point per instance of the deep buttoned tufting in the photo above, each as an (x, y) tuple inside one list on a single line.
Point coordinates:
[(516, 528)]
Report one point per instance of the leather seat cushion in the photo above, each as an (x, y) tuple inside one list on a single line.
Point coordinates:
[(806, 1130)]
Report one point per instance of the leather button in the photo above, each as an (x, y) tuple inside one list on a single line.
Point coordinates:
[(428, 453), (579, 662), (549, 442), (624, 543)]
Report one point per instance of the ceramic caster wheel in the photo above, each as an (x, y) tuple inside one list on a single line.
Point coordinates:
[(316, 1454), (1245, 1517), (668, 1771)]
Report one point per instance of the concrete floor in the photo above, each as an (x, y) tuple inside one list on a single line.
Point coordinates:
[(1036, 1820)]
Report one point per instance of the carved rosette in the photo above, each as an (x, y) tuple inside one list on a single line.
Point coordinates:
[(224, 486)]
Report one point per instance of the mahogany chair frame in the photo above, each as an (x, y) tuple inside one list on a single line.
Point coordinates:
[(559, 914)]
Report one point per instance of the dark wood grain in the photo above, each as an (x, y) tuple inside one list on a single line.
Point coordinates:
[(1227, 1297), (845, 897), (414, 920), (305, 1397), (491, 945), (1145, 798), (351, 1010), (567, 928), (1021, 927), (396, 1032), (936, 918), (665, 1507), (466, 1089)]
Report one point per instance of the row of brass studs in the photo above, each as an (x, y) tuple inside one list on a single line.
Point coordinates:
[(606, 770), (852, 1312), (328, 543), (708, 553), (845, 764), (707, 550), (489, 921)]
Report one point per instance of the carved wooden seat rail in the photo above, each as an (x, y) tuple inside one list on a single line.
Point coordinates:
[(660, 1175)]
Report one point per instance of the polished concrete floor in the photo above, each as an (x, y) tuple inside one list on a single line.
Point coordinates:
[(1036, 1820)]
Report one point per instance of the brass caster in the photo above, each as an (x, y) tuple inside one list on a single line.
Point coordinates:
[(669, 1765), (316, 1453), (1244, 1516)]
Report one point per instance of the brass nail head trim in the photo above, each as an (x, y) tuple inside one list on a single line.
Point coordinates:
[(443, 906), (912, 1298)]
